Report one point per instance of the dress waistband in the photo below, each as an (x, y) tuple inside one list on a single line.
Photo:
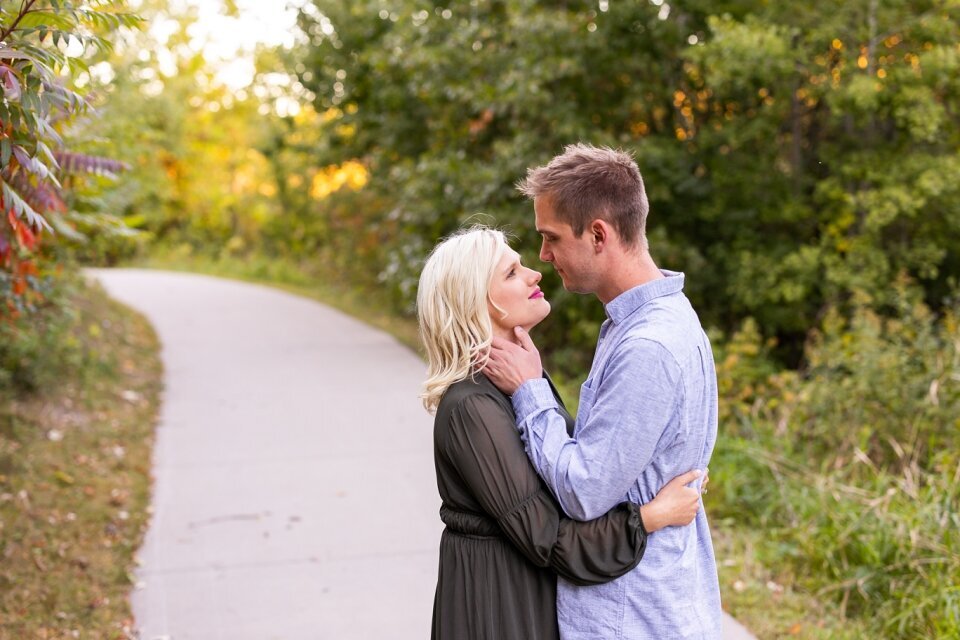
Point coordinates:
[(470, 524)]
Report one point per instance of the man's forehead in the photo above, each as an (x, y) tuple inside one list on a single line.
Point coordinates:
[(545, 219)]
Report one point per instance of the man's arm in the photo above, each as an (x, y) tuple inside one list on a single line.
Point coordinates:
[(634, 399)]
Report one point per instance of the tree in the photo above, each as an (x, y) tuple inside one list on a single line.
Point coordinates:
[(845, 120)]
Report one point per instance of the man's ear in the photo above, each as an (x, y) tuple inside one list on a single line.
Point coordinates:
[(601, 234)]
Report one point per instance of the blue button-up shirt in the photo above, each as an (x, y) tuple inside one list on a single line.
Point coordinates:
[(648, 412)]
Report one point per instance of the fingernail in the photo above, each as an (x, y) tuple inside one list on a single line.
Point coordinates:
[(698, 473)]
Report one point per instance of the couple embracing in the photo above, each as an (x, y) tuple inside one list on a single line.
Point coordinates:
[(560, 528)]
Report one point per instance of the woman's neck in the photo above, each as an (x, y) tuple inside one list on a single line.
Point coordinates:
[(506, 334)]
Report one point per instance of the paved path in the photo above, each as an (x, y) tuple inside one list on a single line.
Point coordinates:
[(294, 494)]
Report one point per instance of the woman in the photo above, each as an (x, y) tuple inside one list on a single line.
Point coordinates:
[(506, 538)]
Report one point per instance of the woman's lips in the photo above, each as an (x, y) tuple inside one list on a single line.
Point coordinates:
[(536, 294)]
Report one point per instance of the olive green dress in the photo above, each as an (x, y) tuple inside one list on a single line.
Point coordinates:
[(506, 538)]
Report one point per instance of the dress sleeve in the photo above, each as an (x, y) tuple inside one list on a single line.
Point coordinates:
[(484, 446)]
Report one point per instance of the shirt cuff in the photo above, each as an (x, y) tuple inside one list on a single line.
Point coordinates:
[(533, 396)]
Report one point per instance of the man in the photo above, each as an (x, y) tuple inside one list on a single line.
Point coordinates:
[(648, 410)]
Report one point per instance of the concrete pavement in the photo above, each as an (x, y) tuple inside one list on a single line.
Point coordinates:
[(294, 494)]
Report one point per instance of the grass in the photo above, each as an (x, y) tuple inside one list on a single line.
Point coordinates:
[(74, 481), (767, 601)]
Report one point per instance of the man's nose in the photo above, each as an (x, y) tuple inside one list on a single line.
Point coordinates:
[(545, 254)]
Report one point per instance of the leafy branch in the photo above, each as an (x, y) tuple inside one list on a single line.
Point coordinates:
[(35, 99), (25, 8)]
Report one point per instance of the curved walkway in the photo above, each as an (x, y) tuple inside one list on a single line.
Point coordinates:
[(294, 494)]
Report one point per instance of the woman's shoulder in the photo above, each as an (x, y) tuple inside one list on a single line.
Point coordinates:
[(473, 388), (467, 395), (473, 415)]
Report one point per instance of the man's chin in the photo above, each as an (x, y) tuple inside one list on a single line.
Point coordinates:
[(568, 285)]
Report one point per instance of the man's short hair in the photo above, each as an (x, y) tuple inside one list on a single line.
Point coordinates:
[(586, 182)]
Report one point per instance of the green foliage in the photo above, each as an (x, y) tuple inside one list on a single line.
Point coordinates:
[(851, 469), (890, 380), (792, 155), (851, 139)]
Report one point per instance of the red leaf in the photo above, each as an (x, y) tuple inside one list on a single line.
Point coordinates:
[(27, 268), (28, 240)]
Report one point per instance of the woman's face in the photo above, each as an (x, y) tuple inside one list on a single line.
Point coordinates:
[(513, 288)]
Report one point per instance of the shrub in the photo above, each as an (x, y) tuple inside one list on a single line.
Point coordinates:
[(36, 344), (851, 469)]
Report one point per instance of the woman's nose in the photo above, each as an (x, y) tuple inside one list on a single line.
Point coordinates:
[(536, 276)]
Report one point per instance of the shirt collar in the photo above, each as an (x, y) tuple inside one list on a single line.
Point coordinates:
[(630, 300)]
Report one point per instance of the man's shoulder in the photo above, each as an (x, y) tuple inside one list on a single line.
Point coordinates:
[(670, 322), (665, 335), (653, 337)]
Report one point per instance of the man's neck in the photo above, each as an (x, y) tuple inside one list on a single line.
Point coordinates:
[(633, 270)]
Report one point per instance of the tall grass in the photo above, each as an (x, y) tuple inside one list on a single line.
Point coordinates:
[(851, 468)]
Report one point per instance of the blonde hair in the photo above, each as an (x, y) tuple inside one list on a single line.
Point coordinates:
[(452, 300)]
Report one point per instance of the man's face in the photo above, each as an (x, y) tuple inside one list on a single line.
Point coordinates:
[(572, 257)]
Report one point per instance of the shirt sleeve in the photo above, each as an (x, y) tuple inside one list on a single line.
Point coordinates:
[(484, 446), (633, 401)]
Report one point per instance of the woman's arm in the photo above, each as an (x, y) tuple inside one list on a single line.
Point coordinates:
[(483, 444), (675, 504)]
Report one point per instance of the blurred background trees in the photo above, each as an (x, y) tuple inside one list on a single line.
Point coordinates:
[(792, 156), (802, 166)]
